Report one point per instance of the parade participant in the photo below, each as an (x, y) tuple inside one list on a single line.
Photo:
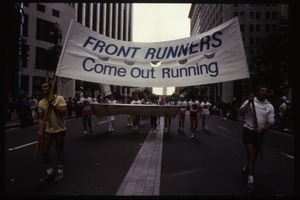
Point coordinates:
[(253, 133), (111, 119), (153, 119), (86, 115), (205, 113), (194, 107), (282, 112), (135, 118), (181, 113), (168, 118), (54, 131)]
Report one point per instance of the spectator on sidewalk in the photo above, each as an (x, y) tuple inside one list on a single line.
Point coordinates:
[(70, 106), (23, 111), (281, 112)]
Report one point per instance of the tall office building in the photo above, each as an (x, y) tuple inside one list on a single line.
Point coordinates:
[(39, 20), (256, 22)]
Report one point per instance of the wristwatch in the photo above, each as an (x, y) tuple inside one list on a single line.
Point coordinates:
[(53, 104)]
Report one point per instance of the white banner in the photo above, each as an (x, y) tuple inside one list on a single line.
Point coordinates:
[(214, 56), (104, 109), (105, 89)]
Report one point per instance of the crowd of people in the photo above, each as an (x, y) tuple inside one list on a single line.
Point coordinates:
[(257, 112)]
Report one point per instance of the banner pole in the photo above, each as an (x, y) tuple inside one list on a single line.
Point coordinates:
[(255, 121)]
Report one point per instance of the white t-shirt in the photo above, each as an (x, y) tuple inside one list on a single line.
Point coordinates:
[(194, 106), (86, 103), (183, 105), (264, 114), (205, 107)]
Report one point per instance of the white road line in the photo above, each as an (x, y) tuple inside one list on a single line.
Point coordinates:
[(102, 122), (19, 147), (25, 145), (223, 128), (292, 157)]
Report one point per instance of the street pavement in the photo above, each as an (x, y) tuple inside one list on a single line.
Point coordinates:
[(143, 177)]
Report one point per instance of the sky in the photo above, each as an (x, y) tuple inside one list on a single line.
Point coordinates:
[(160, 22)]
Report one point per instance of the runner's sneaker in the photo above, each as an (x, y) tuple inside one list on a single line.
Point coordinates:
[(59, 176), (250, 186), (84, 133), (46, 179)]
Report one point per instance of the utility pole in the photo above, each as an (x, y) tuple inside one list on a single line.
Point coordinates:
[(20, 6)]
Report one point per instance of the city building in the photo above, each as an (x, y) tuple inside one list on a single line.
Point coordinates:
[(43, 30), (256, 22)]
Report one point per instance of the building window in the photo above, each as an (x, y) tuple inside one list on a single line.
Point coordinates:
[(43, 29), (257, 28), (251, 41), (87, 15), (25, 83), (41, 58), (114, 10), (242, 27), (242, 15), (274, 27), (36, 86), (268, 28), (55, 13), (251, 15), (41, 8), (94, 16), (101, 17), (257, 16), (274, 15), (251, 28), (268, 15), (79, 16)]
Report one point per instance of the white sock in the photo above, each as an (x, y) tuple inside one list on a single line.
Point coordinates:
[(49, 170), (250, 179), (60, 169)]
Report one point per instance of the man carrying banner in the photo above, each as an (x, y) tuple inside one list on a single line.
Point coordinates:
[(252, 135), (54, 131)]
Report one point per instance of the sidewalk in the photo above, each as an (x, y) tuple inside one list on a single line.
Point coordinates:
[(15, 121)]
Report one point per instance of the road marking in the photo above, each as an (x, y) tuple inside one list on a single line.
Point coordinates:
[(292, 157), (223, 128), (19, 147), (25, 145), (102, 122)]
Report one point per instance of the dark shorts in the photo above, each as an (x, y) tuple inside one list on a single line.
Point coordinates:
[(57, 133), (250, 136)]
